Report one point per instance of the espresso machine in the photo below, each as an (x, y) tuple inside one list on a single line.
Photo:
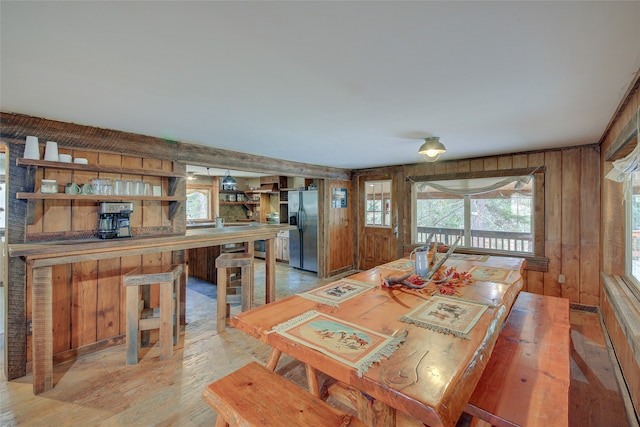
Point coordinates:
[(113, 219)]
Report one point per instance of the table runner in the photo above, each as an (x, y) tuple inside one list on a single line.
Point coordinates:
[(351, 344), (336, 292), (447, 315)]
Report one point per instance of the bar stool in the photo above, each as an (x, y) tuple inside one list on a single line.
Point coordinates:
[(168, 322), (231, 260)]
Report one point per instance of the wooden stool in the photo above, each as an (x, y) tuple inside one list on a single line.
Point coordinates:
[(169, 320), (230, 260)]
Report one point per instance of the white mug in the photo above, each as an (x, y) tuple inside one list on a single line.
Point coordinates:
[(51, 151), (31, 148), (219, 222)]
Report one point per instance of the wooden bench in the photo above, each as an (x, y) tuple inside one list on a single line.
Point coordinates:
[(256, 396), (526, 382)]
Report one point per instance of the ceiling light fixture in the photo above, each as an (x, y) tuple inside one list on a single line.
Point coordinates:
[(432, 149), (229, 183)]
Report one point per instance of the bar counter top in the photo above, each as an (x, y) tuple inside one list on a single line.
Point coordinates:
[(41, 254)]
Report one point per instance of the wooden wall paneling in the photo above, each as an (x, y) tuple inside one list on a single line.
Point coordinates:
[(553, 221), (167, 165), (109, 299), (463, 166), (62, 293), (534, 282), (134, 163), (84, 215), (38, 205), (520, 161), (152, 210), (490, 164), (537, 159), (109, 289), (505, 162), (440, 168), (85, 303), (57, 213), (571, 200), (127, 264), (340, 230), (451, 167), (589, 279), (476, 165)]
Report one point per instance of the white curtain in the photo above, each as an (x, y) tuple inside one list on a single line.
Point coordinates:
[(473, 186)]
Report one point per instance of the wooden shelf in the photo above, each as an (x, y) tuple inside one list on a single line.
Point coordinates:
[(94, 197), (97, 168), (239, 203)]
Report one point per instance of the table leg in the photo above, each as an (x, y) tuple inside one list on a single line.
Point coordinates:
[(273, 359), (312, 380), (42, 329), (270, 270)]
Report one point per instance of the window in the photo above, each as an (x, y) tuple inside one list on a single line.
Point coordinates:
[(378, 203), (489, 213), (198, 204), (633, 225)]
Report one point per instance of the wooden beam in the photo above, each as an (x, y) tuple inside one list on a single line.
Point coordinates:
[(15, 128)]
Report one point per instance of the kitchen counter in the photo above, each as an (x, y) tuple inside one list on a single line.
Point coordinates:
[(40, 257)]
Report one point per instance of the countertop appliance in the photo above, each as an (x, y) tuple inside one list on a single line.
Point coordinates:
[(303, 241), (113, 219)]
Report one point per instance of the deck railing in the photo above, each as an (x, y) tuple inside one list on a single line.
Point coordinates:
[(498, 240)]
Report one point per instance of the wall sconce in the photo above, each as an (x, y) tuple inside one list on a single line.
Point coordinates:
[(431, 149), (191, 176)]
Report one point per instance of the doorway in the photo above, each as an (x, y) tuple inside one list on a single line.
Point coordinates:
[(377, 221)]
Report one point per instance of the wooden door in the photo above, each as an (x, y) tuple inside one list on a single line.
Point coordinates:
[(377, 221)]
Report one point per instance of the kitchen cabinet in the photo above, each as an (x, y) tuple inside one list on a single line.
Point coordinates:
[(282, 246)]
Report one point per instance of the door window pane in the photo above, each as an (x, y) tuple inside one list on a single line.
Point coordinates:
[(378, 203)]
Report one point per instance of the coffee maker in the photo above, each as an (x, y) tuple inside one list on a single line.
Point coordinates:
[(113, 219)]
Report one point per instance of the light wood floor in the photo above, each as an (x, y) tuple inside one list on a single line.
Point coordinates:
[(99, 390)]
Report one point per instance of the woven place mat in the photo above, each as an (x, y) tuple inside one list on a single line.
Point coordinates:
[(399, 264), (492, 274), (348, 343), (337, 292), (454, 316)]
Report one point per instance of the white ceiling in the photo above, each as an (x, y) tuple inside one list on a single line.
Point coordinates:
[(346, 84)]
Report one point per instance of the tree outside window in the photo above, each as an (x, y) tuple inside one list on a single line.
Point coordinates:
[(198, 204)]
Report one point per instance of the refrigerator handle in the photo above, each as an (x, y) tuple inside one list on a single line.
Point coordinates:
[(300, 219)]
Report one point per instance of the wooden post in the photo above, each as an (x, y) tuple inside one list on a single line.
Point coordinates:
[(270, 270), (42, 339)]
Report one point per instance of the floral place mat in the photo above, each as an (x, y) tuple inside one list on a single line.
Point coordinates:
[(399, 264), (446, 315), (491, 274), (351, 344), (466, 257), (336, 292)]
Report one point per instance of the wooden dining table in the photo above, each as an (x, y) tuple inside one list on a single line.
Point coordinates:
[(432, 373)]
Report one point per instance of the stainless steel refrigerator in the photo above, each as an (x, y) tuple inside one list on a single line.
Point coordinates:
[(303, 241)]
